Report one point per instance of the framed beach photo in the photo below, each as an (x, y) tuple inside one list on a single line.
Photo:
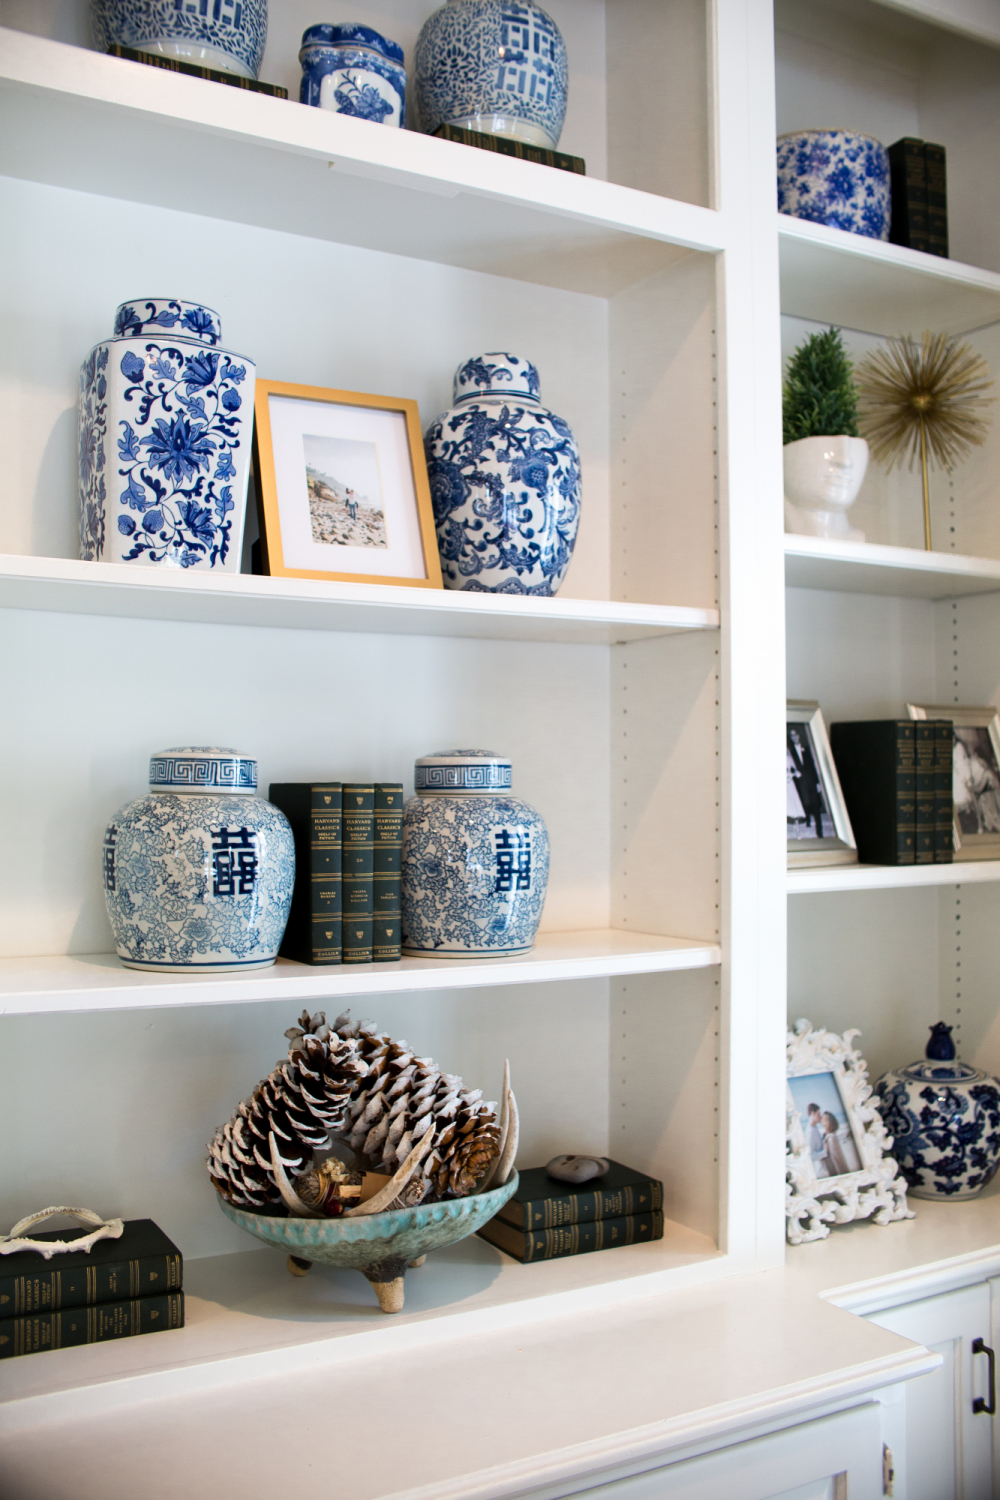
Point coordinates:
[(819, 830), (342, 487), (975, 775)]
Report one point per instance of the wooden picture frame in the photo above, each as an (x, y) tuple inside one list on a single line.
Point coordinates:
[(309, 443), (975, 788), (810, 769)]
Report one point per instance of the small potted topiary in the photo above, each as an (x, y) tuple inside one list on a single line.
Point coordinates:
[(825, 459)]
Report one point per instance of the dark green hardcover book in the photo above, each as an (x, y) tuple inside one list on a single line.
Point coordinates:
[(90, 1325), (359, 840), (572, 1239), (876, 764), (387, 863), (908, 178), (926, 820), (313, 934), (542, 1203), (506, 145), (944, 801), (141, 1261), (195, 70), (937, 200)]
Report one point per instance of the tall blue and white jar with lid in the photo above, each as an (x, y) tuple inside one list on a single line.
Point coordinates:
[(198, 873), (475, 860), (165, 425), (504, 476), (353, 70)]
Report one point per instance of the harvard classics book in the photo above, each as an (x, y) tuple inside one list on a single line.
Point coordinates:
[(547, 1219)]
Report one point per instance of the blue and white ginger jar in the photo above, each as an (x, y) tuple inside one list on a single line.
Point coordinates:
[(198, 874), (493, 65), (504, 475), (835, 177), (223, 34), (944, 1118), (353, 70), (165, 424), (475, 860)]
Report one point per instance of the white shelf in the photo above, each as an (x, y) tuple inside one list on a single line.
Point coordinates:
[(890, 877), (62, 585), (832, 276), (813, 562)]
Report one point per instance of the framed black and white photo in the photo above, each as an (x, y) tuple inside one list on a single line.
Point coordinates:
[(819, 830), (975, 775)]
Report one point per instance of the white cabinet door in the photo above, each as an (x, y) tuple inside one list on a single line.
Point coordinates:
[(943, 1446)]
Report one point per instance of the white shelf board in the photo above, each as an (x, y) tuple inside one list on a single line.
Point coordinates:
[(78, 119), (813, 562), (97, 981), (832, 276), (890, 877)]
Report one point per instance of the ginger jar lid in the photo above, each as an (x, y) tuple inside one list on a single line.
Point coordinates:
[(450, 771), (202, 768), (156, 317), (351, 34), (940, 1063), (496, 374)]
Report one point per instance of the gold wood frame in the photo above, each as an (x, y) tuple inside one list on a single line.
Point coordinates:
[(272, 555)]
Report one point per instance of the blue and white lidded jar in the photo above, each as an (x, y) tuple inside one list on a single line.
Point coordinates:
[(504, 476), (836, 177), (165, 425), (353, 70), (497, 66), (475, 860), (228, 35), (198, 874), (944, 1118)]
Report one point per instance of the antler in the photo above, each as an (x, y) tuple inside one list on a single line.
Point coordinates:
[(288, 1193), (395, 1186)]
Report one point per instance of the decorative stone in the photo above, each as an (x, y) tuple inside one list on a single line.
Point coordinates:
[(228, 34), (352, 70), (198, 874), (505, 482), (475, 860), (835, 177), (165, 421), (577, 1169)]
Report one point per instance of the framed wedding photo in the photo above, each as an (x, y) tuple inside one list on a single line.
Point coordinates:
[(342, 488), (819, 830), (975, 775)]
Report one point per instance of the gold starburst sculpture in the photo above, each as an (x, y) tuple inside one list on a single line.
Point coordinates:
[(927, 398)]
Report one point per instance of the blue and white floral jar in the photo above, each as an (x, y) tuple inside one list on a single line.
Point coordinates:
[(226, 34), (505, 482), (493, 65), (944, 1118), (198, 874), (165, 423), (835, 177), (475, 860), (353, 70)]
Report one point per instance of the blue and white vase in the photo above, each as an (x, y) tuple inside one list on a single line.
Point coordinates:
[(835, 177), (198, 874), (493, 65), (944, 1118), (353, 70), (505, 482), (224, 34), (165, 423), (475, 860)]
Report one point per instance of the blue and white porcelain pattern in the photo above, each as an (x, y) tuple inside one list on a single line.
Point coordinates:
[(225, 34), (493, 65), (164, 425), (198, 874), (475, 860), (835, 177), (944, 1118), (504, 476), (353, 70)]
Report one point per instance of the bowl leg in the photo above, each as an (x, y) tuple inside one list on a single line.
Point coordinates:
[(418, 1262), (387, 1283), (298, 1266)]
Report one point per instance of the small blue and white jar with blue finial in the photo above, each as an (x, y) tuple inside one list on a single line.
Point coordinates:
[(228, 35), (353, 70)]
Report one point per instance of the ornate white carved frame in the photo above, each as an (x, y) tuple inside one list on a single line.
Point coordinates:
[(813, 1203)]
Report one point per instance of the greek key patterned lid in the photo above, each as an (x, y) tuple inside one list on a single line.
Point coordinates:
[(202, 768), (462, 771), (159, 317), (496, 374), (351, 34)]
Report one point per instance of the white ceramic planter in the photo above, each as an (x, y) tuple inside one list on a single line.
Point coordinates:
[(822, 478)]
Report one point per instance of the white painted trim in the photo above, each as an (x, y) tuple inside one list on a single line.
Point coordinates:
[(813, 562), (890, 877)]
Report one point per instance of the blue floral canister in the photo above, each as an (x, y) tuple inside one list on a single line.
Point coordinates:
[(835, 177), (505, 482), (497, 66), (944, 1118), (198, 874), (475, 860), (165, 422), (225, 34), (353, 70)]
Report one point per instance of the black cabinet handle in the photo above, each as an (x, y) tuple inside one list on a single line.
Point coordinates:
[(990, 1406)]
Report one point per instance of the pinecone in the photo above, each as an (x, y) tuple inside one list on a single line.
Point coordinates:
[(302, 1101)]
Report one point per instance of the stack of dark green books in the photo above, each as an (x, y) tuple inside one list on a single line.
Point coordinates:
[(195, 70), (919, 196), (122, 1287), (508, 145), (896, 778), (547, 1219)]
